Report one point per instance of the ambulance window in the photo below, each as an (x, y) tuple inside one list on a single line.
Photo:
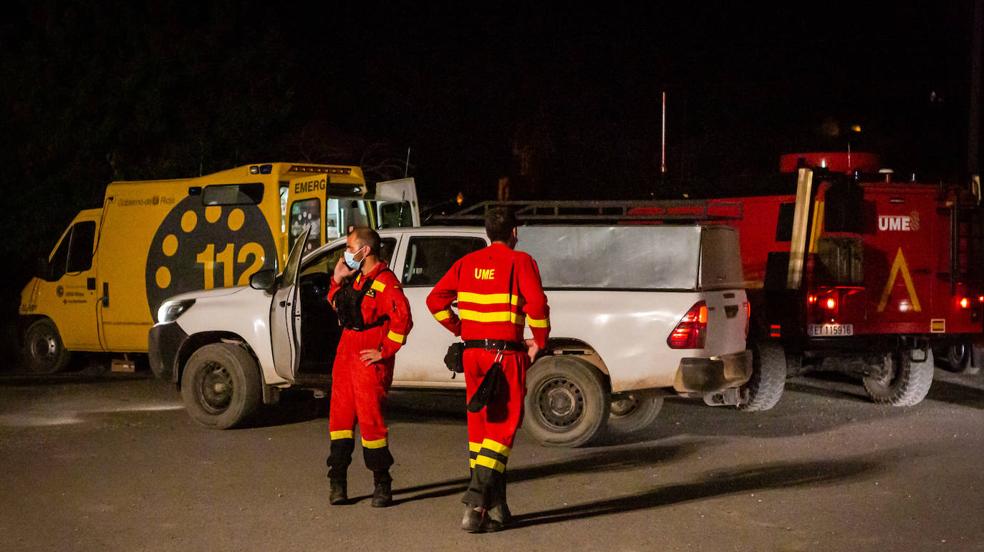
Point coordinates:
[(233, 194), (283, 207), (428, 259), (352, 213), (74, 253), (80, 248), (304, 213), (784, 227)]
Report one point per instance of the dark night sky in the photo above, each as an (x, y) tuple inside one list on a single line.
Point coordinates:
[(113, 89)]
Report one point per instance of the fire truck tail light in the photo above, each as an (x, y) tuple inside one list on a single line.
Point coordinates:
[(980, 298), (830, 303), (691, 332), (811, 299), (964, 303)]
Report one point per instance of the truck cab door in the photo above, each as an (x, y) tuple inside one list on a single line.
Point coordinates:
[(285, 314), (397, 203)]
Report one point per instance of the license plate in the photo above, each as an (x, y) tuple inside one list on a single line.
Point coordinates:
[(830, 330)]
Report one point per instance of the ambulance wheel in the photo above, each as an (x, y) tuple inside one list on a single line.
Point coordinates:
[(764, 388), (904, 382), (567, 402), (633, 412), (221, 386), (955, 358), (44, 352)]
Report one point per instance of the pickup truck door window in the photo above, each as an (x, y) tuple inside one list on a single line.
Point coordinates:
[(429, 258)]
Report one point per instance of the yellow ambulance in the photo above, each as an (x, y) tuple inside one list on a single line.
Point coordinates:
[(101, 286)]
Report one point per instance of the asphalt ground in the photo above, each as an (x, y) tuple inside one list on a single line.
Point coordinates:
[(112, 462)]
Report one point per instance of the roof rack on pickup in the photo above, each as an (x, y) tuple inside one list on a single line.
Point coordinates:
[(603, 211)]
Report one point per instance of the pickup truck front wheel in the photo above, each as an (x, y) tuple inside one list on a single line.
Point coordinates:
[(567, 403), (221, 386)]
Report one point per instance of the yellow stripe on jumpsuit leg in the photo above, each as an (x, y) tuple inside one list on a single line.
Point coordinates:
[(341, 434), (378, 443)]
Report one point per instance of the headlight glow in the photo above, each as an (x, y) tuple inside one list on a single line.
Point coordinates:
[(171, 310)]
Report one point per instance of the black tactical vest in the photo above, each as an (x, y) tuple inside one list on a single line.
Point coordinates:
[(348, 306)]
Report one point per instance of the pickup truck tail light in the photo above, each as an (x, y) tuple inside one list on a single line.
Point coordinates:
[(691, 332)]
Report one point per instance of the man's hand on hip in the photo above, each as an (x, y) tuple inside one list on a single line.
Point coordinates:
[(532, 349)]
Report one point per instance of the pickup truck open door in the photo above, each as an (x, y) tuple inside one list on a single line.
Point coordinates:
[(285, 314)]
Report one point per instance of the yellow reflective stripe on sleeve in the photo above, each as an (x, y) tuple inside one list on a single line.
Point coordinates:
[(471, 463), (399, 338), (498, 316), (443, 315), (378, 286), (538, 322), (474, 447), (378, 443), (496, 447), (487, 298), (341, 434), (490, 463)]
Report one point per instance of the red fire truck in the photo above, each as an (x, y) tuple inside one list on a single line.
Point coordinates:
[(854, 273)]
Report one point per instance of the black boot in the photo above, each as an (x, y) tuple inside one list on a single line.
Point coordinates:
[(339, 492), (472, 520), (382, 494)]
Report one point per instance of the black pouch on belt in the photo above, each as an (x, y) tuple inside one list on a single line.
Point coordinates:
[(488, 388), (453, 358)]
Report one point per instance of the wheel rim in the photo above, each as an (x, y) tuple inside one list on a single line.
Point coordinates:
[(560, 403), (957, 353), (624, 406), (44, 348), (215, 388)]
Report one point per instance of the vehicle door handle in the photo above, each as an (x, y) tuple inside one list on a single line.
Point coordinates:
[(730, 310), (284, 304)]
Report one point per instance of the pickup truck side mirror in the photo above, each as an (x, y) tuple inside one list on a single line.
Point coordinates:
[(263, 280)]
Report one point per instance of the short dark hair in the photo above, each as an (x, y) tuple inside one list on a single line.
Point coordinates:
[(499, 224), (367, 237)]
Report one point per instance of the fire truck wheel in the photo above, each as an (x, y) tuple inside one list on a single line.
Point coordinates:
[(955, 358), (43, 351), (631, 412), (764, 388), (905, 382), (221, 386), (567, 402)]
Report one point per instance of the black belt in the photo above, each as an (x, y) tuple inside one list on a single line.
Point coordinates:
[(496, 344), (379, 322)]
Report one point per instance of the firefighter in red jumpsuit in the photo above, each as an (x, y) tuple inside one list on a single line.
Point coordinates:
[(498, 291), (375, 315)]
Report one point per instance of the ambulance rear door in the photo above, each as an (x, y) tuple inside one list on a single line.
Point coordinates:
[(285, 313), (397, 203)]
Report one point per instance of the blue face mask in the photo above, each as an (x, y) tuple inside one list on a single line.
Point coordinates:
[(351, 262)]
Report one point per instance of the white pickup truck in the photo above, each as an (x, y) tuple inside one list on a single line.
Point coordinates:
[(636, 312)]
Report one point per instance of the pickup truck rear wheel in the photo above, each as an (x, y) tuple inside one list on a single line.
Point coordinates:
[(634, 412), (765, 387), (567, 402), (221, 386), (904, 382), (43, 351)]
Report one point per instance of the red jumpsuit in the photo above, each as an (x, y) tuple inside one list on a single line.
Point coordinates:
[(358, 391), (498, 291)]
